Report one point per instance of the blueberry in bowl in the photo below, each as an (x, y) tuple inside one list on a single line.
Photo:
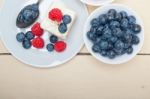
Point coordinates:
[(114, 34)]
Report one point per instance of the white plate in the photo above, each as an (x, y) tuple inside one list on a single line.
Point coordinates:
[(119, 59), (97, 2), (34, 57)]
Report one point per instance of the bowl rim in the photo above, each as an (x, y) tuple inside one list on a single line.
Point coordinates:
[(97, 3), (94, 54)]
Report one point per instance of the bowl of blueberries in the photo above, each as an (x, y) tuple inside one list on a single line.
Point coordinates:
[(114, 34)]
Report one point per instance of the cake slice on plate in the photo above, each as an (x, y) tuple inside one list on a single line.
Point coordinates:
[(58, 20)]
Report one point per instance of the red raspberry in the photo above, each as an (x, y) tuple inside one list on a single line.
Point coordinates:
[(60, 46), (37, 30), (56, 15), (38, 42)]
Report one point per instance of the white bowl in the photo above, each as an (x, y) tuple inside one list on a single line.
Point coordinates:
[(35, 57), (120, 59), (97, 2)]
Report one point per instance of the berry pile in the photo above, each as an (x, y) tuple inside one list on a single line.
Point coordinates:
[(114, 34), (25, 39), (58, 46), (63, 20), (32, 38)]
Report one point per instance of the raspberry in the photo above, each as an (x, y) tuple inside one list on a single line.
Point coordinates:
[(60, 46), (38, 42), (56, 15), (37, 30)]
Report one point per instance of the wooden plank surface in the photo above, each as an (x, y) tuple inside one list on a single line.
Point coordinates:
[(82, 78)]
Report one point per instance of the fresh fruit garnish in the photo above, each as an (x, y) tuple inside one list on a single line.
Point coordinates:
[(56, 15), (20, 37), (26, 43), (62, 28), (50, 47), (60, 46), (37, 30), (38, 42), (136, 28), (29, 35), (53, 39), (66, 19)]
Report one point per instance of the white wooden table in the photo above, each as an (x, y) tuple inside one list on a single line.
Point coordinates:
[(83, 77)]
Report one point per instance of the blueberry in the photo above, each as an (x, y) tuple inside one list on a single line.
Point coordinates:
[(95, 22), (136, 28), (91, 36), (118, 17), (117, 32), (98, 34), (99, 30), (20, 37), (119, 45), (95, 48), (105, 27), (119, 51), (103, 19), (110, 46), (111, 54), (131, 19), (110, 17), (124, 23), (112, 12), (107, 33), (114, 24), (20, 18), (128, 31), (103, 53), (127, 38), (31, 11), (135, 40), (98, 40), (62, 28), (34, 14), (104, 38), (127, 45), (130, 50), (123, 14), (26, 44), (103, 45), (53, 39), (113, 39), (29, 35), (35, 7), (66, 19), (28, 16), (50, 47), (93, 30)]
